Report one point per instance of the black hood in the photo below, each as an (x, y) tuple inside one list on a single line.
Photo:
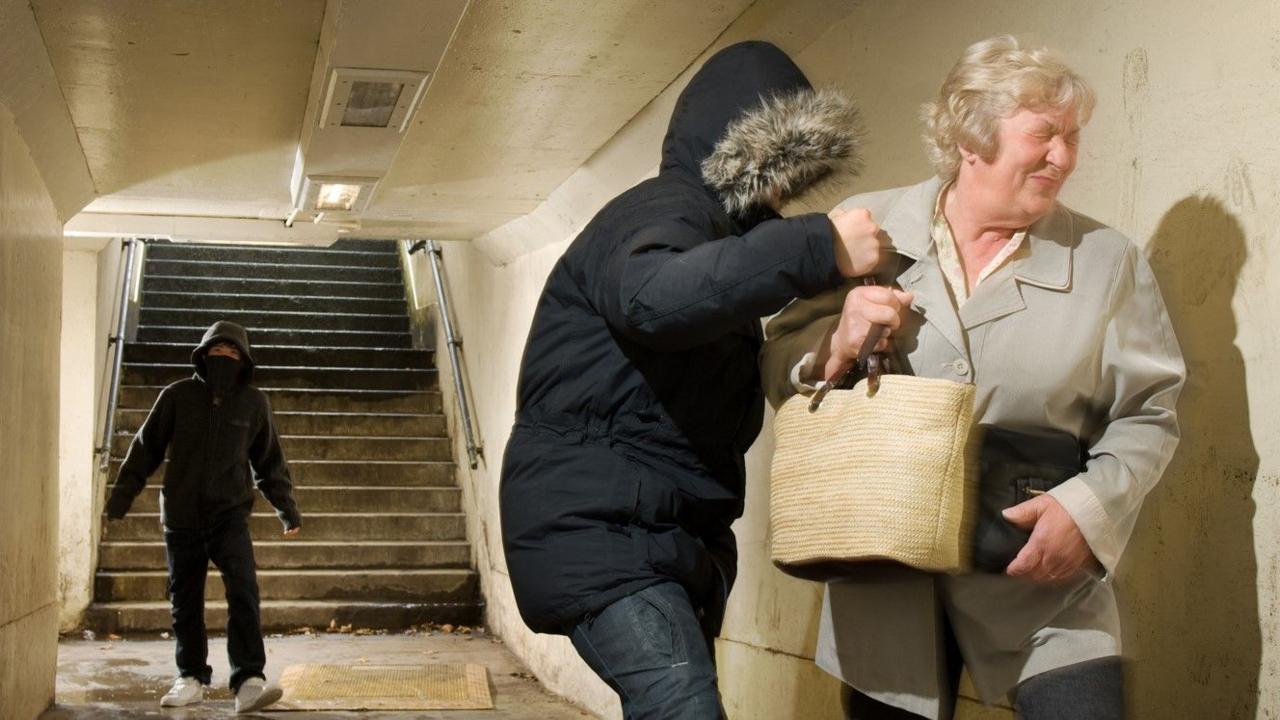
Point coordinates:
[(749, 126), (224, 331)]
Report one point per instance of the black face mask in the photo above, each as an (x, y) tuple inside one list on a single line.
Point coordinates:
[(221, 373)]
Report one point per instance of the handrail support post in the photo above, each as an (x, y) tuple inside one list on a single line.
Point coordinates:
[(116, 343), (454, 343)]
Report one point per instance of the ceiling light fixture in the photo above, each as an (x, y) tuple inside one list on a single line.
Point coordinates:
[(336, 194), (376, 99)]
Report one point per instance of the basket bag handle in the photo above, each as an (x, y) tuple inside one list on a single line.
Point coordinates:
[(875, 363)]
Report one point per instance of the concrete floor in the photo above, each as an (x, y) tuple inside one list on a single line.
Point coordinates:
[(125, 678)]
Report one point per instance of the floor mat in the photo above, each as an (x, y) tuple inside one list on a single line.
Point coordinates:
[(439, 686)]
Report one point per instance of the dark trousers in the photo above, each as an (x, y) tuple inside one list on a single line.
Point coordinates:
[(188, 553), (1092, 690), (652, 650)]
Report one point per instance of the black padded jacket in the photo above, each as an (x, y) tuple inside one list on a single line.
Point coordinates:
[(639, 390)]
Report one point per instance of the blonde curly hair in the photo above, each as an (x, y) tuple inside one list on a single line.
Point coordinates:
[(993, 79)]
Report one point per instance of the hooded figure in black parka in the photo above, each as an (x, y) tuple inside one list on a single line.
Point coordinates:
[(639, 391)]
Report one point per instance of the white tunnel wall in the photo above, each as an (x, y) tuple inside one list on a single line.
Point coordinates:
[(30, 310)]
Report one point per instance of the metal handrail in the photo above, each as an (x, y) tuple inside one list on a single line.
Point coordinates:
[(435, 253), (116, 344)]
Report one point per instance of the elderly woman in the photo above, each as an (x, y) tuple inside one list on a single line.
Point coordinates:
[(1058, 322)]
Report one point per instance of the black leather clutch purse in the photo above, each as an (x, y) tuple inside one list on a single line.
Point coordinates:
[(1015, 466)]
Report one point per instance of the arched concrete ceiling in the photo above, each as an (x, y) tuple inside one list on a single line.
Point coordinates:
[(185, 107), (196, 107)]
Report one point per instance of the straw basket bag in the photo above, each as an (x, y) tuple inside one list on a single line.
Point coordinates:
[(881, 476)]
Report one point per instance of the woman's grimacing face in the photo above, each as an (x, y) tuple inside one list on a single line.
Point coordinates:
[(1035, 156)]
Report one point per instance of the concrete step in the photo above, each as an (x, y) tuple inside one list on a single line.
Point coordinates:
[(295, 355), (346, 287), (281, 255), (299, 303), (338, 499), (190, 336), (286, 554), (330, 423), (273, 271), (402, 379), (448, 584), (285, 615), (367, 245), (284, 320), (320, 526), (343, 447), (312, 400), (364, 473)]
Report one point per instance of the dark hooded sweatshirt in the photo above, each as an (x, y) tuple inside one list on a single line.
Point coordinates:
[(639, 390), (215, 449)]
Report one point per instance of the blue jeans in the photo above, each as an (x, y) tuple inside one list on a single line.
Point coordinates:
[(651, 649)]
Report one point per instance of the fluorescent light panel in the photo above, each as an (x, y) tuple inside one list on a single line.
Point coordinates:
[(337, 196)]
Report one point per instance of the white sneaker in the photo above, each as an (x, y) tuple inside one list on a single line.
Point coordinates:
[(185, 691), (255, 694)]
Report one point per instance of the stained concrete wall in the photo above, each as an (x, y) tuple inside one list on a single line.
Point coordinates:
[(91, 297), (1180, 156), (30, 307), (77, 463)]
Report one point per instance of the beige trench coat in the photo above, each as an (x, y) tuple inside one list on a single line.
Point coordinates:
[(1072, 335)]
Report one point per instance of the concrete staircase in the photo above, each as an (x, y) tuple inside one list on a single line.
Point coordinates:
[(383, 543)]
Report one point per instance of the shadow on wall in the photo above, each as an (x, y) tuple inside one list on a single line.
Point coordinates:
[(1191, 597)]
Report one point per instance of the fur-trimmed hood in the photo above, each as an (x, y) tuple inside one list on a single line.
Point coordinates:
[(751, 128)]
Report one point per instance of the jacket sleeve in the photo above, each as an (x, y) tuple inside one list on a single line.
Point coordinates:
[(793, 336), (272, 472), (1142, 374), (670, 286), (146, 453)]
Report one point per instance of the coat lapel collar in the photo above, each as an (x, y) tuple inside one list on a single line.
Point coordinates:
[(1049, 263), (907, 225), (1045, 262), (996, 297)]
